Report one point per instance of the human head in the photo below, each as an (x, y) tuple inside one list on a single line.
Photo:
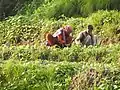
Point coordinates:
[(90, 28), (68, 28)]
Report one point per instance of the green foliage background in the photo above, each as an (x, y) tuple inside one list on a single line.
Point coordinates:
[(56, 8), (27, 64)]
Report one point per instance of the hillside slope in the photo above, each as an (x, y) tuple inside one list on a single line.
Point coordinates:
[(27, 64)]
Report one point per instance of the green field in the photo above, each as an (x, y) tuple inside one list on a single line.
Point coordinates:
[(27, 64)]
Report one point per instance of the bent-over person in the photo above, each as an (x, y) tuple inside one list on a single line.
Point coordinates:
[(61, 37)]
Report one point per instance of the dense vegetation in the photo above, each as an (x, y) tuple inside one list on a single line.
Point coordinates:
[(27, 64), (24, 29), (56, 8), (37, 67)]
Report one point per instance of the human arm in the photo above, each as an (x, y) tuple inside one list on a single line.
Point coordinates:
[(79, 38)]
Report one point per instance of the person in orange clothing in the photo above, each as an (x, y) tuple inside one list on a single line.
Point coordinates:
[(61, 37)]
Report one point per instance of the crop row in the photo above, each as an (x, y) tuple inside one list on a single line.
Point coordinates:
[(75, 53)]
